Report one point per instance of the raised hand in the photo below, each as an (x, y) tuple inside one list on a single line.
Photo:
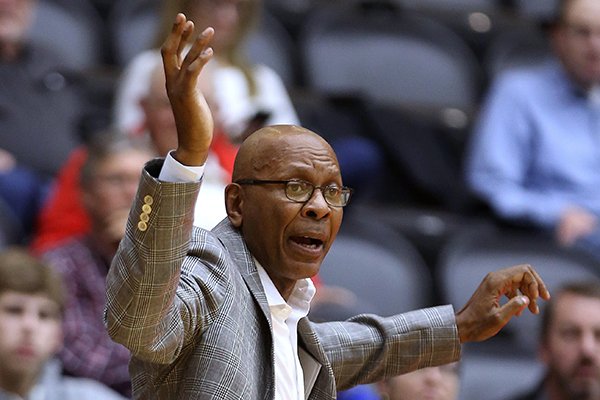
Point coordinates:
[(193, 117), (483, 316)]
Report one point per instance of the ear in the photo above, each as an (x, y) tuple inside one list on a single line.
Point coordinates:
[(384, 388), (234, 204)]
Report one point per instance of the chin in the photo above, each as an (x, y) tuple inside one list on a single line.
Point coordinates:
[(308, 270)]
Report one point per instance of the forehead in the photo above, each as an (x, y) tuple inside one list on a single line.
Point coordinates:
[(38, 300), (583, 11), (295, 153), (123, 160), (576, 308)]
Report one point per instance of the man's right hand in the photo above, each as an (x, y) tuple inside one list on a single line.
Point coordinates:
[(193, 117)]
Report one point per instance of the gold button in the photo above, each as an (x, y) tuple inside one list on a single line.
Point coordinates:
[(146, 209), (144, 217), (142, 226), (148, 199)]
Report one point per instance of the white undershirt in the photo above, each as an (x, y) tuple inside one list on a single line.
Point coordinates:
[(289, 377)]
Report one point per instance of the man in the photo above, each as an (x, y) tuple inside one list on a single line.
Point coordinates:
[(31, 307), (570, 345), (433, 383), (40, 109), (536, 153), (221, 314), (33, 82), (108, 181)]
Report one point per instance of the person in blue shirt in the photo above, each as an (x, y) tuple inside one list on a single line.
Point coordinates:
[(535, 154)]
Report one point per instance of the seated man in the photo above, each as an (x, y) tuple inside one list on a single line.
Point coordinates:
[(109, 180), (570, 345), (31, 308), (221, 314), (41, 107), (535, 154)]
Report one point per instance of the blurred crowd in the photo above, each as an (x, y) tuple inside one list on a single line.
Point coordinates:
[(450, 119)]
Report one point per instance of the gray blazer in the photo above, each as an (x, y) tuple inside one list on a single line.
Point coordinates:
[(189, 305)]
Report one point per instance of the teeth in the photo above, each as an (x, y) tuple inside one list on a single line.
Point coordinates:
[(308, 242)]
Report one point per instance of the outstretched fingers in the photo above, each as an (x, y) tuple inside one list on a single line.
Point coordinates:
[(513, 307), (524, 280), (188, 31), (532, 286), (172, 47), (200, 53)]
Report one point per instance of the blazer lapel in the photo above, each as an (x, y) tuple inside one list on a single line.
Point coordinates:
[(234, 242), (314, 361)]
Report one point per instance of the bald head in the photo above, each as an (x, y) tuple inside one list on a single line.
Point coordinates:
[(273, 146)]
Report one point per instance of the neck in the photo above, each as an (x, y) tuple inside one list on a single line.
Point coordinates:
[(106, 247), (20, 385)]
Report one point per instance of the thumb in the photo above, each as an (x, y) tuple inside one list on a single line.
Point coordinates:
[(514, 306)]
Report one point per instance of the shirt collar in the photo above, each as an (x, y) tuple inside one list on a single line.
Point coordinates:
[(299, 300)]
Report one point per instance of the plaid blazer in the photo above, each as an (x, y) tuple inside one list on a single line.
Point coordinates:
[(190, 306)]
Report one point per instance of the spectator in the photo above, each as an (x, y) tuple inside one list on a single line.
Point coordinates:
[(433, 383), (570, 344), (222, 314), (108, 182), (34, 83), (31, 308), (64, 216), (244, 96), (535, 155), (40, 108)]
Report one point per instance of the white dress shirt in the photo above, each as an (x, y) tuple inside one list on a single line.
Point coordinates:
[(289, 377)]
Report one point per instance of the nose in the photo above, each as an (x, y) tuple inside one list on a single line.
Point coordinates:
[(433, 374), (590, 344), (594, 41), (29, 322), (316, 207), (228, 13)]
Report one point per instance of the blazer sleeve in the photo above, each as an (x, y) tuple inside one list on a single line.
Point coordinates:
[(368, 348), (148, 311)]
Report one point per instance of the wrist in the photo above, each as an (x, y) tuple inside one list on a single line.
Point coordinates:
[(190, 158)]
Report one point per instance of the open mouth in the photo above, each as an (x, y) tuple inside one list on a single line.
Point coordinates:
[(308, 242)]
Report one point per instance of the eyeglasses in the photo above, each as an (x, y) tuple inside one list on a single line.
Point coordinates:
[(301, 191)]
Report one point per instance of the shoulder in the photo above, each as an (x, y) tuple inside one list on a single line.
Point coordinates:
[(222, 242), (71, 388), (534, 394), (537, 77), (70, 248), (266, 72)]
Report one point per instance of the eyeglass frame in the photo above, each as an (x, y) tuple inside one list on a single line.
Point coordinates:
[(342, 189)]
